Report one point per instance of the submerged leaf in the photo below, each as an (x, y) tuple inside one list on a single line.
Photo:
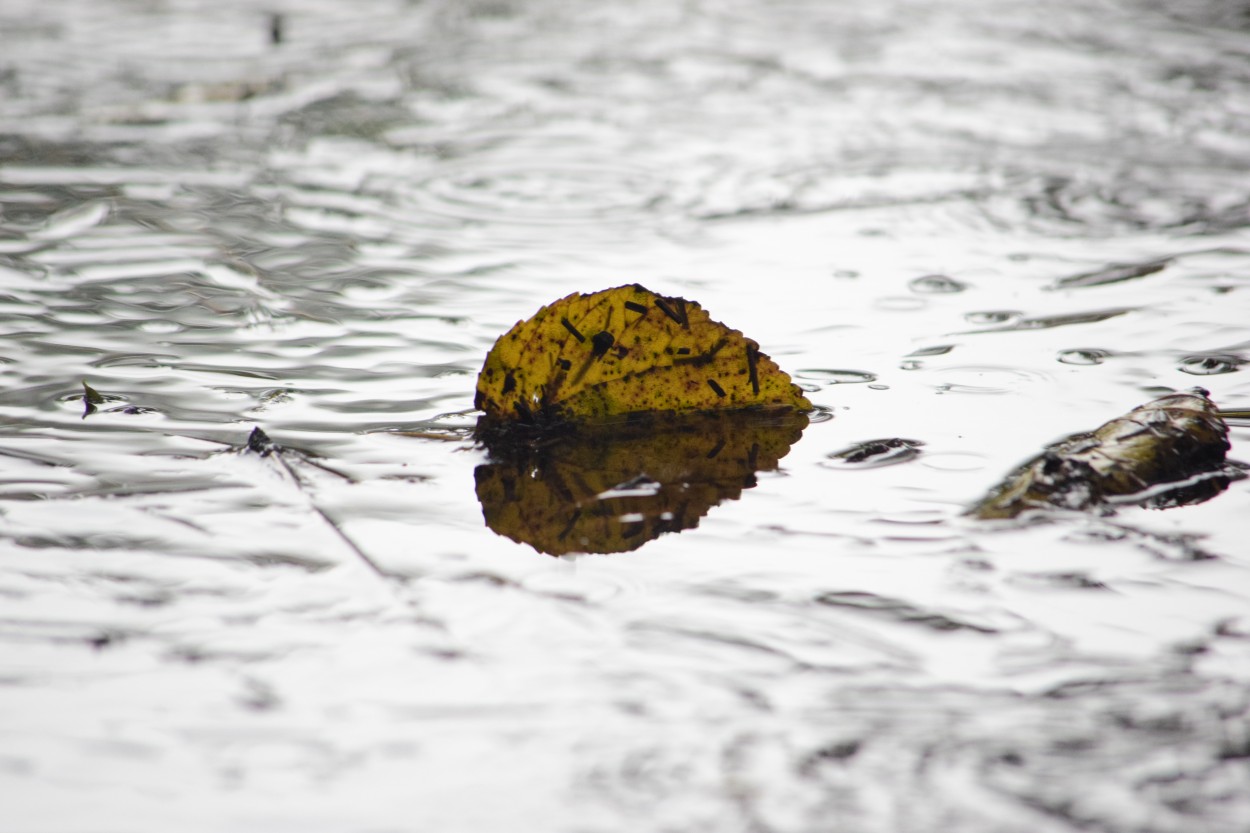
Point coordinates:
[(626, 351), (1168, 452), (605, 490)]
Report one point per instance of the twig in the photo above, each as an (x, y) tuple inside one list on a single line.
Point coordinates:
[(259, 443)]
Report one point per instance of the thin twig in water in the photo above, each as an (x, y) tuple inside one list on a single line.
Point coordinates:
[(259, 443), (1237, 413)]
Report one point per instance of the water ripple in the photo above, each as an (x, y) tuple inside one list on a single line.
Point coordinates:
[(327, 228), (1201, 201), (529, 190)]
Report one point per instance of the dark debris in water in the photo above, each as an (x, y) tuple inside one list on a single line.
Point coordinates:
[(1168, 452), (92, 401), (91, 396), (290, 462), (258, 442), (871, 454)]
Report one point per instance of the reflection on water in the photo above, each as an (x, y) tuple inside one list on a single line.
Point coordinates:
[(606, 490), (977, 227)]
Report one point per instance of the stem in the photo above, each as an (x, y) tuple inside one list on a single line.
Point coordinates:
[(259, 443)]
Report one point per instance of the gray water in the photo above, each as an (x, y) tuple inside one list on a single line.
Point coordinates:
[(315, 218)]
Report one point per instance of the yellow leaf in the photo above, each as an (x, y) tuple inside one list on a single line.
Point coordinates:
[(625, 351)]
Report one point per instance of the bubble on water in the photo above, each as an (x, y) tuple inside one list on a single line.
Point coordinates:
[(837, 377), (980, 379), (993, 317), (1210, 364), (935, 350), (936, 285), (1084, 356), (820, 413)]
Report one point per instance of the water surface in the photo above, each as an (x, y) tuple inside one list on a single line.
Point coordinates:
[(966, 232)]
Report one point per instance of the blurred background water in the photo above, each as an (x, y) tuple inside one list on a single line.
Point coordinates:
[(975, 227)]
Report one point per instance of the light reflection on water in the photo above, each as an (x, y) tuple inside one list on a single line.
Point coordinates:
[(977, 232)]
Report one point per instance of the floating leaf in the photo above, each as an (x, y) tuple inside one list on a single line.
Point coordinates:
[(626, 351), (91, 400), (91, 396), (1168, 452), (606, 490)]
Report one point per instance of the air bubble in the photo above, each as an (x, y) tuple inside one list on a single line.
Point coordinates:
[(1083, 356), (936, 285), (1210, 365)]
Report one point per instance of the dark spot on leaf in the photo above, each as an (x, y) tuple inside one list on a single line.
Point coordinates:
[(702, 358), (568, 527), (509, 384), (565, 364), (675, 311), (711, 383), (602, 341), (568, 325), (753, 357), (683, 351), (636, 307)]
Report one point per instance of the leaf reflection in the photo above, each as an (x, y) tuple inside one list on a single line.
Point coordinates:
[(609, 489)]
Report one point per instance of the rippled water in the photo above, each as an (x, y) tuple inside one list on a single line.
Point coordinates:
[(967, 231)]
